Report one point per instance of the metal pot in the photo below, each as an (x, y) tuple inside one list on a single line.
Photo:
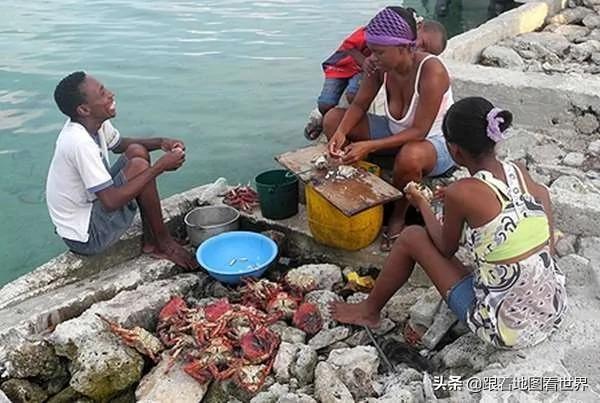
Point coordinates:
[(203, 222)]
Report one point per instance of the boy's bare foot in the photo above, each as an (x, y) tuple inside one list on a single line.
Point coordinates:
[(354, 314), (171, 250)]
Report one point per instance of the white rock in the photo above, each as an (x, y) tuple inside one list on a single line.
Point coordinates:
[(423, 312), (326, 275), (287, 333), (3, 398), (501, 56), (578, 271), (467, 351), (594, 148), (570, 16), (546, 154), (303, 368), (587, 124), (271, 395), (565, 245), (328, 387), (296, 398), (284, 360), (574, 159), (397, 308), (590, 249), (572, 32), (356, 367), (592, 21), (442, 322), (576, 206), (174, 386), (327, 337)]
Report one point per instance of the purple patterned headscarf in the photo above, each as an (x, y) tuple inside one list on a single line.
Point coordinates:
[(388, 28)]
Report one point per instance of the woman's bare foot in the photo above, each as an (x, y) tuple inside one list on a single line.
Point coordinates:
[(171, 250), (354, 314)]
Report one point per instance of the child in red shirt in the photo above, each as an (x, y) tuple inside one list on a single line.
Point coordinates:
[(343, 69)]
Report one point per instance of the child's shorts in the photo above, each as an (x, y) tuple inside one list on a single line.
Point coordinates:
[(333, 88)]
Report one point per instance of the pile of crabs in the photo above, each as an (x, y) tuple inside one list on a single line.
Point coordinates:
[(226, 340)]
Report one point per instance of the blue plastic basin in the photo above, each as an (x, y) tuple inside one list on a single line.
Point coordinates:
[(232, 255)]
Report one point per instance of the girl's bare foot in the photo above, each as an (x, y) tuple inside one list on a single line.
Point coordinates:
[(354, 314)]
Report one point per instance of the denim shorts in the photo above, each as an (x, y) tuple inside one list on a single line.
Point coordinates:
[(379, 128), (106, 227), (460, 297), (333, 88)]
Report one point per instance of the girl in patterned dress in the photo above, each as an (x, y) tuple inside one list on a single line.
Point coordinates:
[(515, 295)]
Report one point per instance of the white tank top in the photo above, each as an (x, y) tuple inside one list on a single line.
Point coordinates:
[(398, 125)]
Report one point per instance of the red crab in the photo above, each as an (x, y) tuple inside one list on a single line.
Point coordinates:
[(284, 304), (172, 321), (139, 338), (308, 318), (260, 345), (214, 361)]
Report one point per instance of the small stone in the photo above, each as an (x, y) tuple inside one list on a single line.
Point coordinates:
[(565, 245), (573, 33), (442, 322), (385, 326), (397, 308), (327, 337), (326, 275), (500, 56), (582, 51), (356, 367), (284, 360), (423, 312), (574, 159), (542, 42), (592, 21), (594, 148), (328, 386), (304, 366), (296, 398), (577, 269), (570, 16), (158, 385), (21, 390), (467, 351), (287, 333), (33, 360), (590, 249), (576, 206), (546, 154), (587, 124)]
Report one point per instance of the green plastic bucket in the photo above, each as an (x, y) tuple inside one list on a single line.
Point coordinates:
[(278, 193)]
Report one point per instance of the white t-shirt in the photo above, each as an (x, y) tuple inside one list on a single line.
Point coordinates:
[(78, 170)]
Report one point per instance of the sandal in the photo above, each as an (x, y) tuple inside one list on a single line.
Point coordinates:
[(314, 127), (387, 241)]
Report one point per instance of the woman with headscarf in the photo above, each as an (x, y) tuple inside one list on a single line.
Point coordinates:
[(417, 91)]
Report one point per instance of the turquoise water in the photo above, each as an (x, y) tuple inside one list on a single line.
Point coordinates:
[(235, 79)]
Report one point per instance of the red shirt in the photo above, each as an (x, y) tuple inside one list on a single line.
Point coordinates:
[(342, 65)]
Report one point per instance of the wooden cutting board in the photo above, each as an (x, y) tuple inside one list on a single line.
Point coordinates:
[(349, 195)]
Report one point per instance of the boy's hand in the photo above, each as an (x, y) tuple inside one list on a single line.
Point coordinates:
[(369, 66), (169, 144), (171, 160)]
